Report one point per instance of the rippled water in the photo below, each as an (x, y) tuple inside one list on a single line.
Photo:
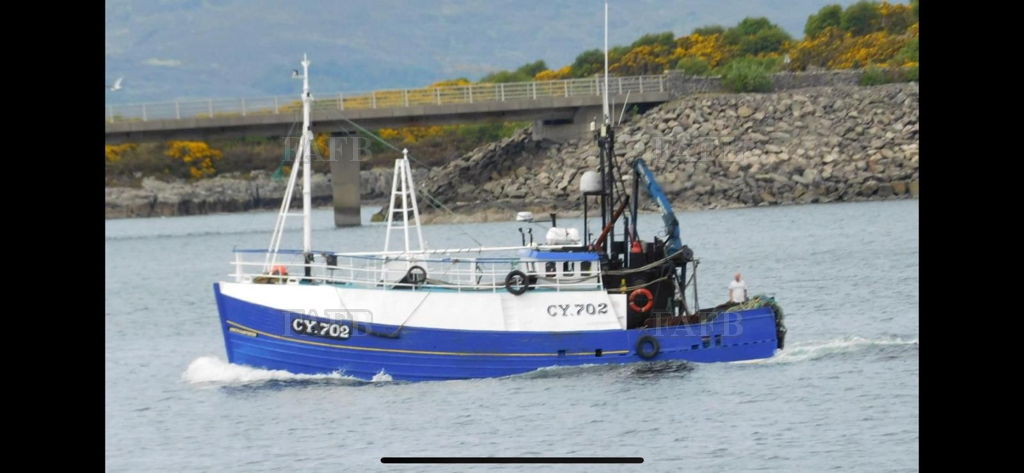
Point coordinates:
[(843, 395)]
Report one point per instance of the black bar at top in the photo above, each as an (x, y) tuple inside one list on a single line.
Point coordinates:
[(512, 460)]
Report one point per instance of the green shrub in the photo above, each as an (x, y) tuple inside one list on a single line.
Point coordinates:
[(874, 75), (749, 74), (523, 74), (909, 53), (666, 39), (694, 66), (910, 73), (861, 18), (829, 15), (709, 30), (754, 36)]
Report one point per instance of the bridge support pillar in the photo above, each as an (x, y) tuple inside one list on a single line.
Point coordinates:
[(567, 129), (345, 149)]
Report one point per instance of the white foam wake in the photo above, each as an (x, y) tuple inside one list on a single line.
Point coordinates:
[(818, 349), (381, 377), (210, 369)]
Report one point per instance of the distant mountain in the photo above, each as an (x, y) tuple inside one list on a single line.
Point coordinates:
[(169, 50)]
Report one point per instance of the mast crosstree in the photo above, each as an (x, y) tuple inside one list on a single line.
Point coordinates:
[(402, 187)]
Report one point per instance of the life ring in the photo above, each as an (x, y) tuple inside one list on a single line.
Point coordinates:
[(644, 341), (516, 282), (279, 270), (641, 292)]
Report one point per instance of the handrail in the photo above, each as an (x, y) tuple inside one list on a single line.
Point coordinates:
[(450, 273), (380, 99)]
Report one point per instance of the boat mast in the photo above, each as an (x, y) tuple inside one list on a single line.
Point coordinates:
[(604, 98), (605, 141), (307, 137), (302, 159)]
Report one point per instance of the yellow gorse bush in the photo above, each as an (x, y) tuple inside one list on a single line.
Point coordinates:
[(835, 49), (450, 83), (114, 152), (549, 74), (870, 49), (646, 59), (707, 47), (197, 154), (895, 16), (322, 144), (410, 134)]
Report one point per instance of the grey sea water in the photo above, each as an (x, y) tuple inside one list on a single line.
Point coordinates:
[(842, 396)]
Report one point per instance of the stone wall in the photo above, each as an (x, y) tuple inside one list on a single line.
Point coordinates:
[(681, 85), (232, 193)]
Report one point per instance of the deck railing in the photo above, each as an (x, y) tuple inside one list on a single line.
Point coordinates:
[(474, 273)]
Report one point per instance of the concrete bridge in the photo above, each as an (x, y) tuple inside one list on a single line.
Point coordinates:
[(561, 108)]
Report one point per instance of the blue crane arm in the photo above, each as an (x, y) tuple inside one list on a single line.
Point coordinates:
[(668, 216)]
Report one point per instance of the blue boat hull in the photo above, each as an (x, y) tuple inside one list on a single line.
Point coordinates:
[(262, 337)]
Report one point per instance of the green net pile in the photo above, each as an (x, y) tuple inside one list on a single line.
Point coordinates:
[(759, 300)]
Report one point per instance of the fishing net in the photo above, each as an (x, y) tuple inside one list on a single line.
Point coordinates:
[(757, 301)]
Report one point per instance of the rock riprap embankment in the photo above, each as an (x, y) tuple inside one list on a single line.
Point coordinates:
[(824, 144), (821, 144)]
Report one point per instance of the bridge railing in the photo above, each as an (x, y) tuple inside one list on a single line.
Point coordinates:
[(395, 98)]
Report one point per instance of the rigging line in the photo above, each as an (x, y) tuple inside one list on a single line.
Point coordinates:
[(623, 112), (254, 216), (652, 265), (289, 135), (402, 325), (430, 199)]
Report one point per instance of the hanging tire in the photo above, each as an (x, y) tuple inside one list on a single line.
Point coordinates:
[(516, 282), (641, 347), (416, 275)]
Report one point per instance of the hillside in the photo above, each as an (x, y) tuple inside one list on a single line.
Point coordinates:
[(229, 48)]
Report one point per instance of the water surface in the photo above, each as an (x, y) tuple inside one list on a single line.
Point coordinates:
[(843, 395)]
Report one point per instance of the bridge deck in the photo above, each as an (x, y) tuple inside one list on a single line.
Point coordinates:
[(557, 99)]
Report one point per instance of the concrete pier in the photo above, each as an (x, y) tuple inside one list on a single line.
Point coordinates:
[(345, 156), (562, 130)]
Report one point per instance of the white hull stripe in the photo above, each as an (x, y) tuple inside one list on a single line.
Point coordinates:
[(535, 311)]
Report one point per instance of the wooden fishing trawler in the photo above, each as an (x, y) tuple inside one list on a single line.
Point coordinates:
[(431, 314)]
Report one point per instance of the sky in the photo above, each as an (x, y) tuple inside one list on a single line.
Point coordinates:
[(193, 49)]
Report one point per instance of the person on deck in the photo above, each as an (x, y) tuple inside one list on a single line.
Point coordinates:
[(737, 289)]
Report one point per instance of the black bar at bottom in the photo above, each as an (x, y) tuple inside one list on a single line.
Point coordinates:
[(512, 460)]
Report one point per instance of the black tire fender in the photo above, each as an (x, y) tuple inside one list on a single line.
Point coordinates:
[(642, 342), (517, 288)]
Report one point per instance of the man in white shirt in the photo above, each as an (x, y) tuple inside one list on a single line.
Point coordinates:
[(737, 289)]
